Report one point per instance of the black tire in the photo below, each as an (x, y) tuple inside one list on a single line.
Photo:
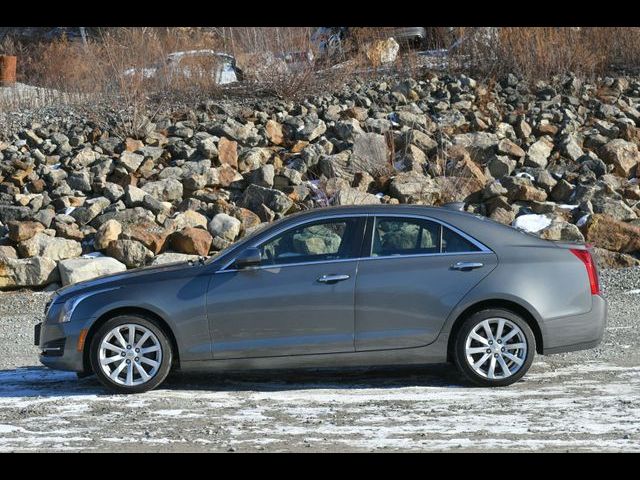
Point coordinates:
[(459, 348), (166, 354)]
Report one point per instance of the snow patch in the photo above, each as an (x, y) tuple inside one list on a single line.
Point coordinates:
[(532, 222)]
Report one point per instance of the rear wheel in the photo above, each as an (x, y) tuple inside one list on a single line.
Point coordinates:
[(130, 354), (494, 348)]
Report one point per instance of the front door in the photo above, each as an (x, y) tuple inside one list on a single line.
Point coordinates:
[(299, 300)]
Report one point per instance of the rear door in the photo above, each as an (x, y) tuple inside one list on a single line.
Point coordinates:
[(415, 271)]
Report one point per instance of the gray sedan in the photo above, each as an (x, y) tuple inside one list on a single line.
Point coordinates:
[(345, 286)]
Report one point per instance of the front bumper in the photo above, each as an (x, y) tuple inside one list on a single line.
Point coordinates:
[(58, 344), (577, 332)]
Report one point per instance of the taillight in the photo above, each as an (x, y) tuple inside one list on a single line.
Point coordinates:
[(585, 256)]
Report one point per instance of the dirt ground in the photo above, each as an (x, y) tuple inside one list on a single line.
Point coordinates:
[(581, 401)]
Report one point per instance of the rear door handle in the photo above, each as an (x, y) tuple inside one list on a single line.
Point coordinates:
[(332, 278), (466, 266)]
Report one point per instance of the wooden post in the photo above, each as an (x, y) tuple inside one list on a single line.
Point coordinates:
[(7, 70)]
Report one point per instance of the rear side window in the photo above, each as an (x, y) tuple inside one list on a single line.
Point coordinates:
[(454, 243), (413, 236), (404, 236)]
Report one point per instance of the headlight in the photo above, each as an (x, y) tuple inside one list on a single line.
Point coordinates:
[(68, 308)]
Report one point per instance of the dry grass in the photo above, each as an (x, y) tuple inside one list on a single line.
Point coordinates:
[(540, 52), (69, 71)]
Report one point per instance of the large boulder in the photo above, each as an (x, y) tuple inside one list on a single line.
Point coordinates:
[(412, 187), (166, 190), (538, 153), (225, 226), (188, 218), (194, 241), (20, 231), (172, 257), (42, 245), (74, 270), (130, 252), (381, 52), (149, 234), (27, 272), (607, 259), (611, 234), (623, 155), (255, 196), (353, 196), (107, 233), (90, 210)]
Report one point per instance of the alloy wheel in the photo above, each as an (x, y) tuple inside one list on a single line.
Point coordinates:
[(496, 348), (130, 354)]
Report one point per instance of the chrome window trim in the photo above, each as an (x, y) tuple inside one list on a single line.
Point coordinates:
[(483, 248), (297, 224)]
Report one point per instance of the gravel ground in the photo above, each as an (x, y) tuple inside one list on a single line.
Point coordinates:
[(579, 401)]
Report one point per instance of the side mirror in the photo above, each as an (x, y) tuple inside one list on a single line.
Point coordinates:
[(249, 257)]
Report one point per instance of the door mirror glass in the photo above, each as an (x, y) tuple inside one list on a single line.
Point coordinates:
[(249, 257)]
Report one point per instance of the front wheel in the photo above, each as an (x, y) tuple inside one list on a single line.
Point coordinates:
[(494, 348), (130, 354)]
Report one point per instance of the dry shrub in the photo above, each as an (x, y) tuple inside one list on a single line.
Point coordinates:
[(278, 60), (540, 52)]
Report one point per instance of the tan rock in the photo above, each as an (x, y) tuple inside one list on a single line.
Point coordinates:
[(228, 152), (108, 232), (194, 241), (607, 232), (622, 154), (274, 132), (131, 145), (149, 234), (20, 231)]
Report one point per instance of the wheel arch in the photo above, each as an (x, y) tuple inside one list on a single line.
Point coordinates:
[(495, 303), (142, 312)]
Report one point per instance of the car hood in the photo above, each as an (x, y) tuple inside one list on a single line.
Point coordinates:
[(121, 279)]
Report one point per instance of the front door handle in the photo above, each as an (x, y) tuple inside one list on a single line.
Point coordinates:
[(332, 278), (466, 266)]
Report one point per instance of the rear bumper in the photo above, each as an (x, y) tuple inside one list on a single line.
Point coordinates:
[(58, 346), (576, 332)]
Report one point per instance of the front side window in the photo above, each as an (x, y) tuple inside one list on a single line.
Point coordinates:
[(320, 241), (414, 236)]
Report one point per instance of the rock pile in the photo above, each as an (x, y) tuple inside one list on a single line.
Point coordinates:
[(559, 158)]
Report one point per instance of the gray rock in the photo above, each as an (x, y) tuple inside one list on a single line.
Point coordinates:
[(167, 190), (411, 187), (173, 257), (27, 272), (42, 245), (538, 153), (263, 176), (90, 210), (76, 270), (500, 166), (353, 196), (133, 196), (255, 196), (130, 252), (130, 161), (225, 227)]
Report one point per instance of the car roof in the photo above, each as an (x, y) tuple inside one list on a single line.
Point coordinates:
[(484, 229)]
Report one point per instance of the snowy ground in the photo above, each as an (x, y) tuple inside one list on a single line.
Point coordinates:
[(571, 402)]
